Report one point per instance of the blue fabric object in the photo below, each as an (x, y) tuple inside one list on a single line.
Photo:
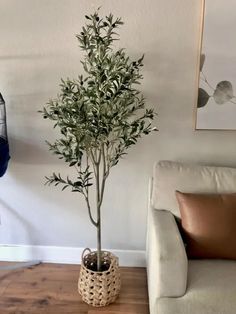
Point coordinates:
[(4, 147), (4, 156)]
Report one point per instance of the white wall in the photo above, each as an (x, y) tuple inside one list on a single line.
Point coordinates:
[(38, 47)]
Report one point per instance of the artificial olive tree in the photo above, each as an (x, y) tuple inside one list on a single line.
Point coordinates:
[(100, 115)]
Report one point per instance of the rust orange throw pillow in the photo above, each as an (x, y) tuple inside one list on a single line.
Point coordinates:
[(209, 224)]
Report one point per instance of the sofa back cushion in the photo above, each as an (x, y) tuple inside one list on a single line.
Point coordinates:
[(169, 176)]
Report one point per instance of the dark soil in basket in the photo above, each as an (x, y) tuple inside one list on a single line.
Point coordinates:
[(93, 266)]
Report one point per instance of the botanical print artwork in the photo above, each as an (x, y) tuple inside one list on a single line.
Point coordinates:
[(216, 103)]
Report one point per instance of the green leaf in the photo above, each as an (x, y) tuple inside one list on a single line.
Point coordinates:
[(64, 187), (73, 163)]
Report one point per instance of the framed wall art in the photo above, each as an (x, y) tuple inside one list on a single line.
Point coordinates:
[(215, 107)]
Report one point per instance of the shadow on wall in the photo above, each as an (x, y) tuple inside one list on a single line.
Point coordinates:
[(29, 153), (26, 225)]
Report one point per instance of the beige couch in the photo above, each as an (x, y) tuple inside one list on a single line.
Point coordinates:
[(177, 285)]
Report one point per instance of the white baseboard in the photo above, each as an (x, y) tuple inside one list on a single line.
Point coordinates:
[(64, 255)]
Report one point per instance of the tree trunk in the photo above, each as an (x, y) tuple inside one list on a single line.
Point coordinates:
[(99, 252)]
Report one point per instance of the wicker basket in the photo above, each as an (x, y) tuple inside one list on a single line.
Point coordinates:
[(99, 288)]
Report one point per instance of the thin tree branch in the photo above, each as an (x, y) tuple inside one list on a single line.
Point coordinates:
[(204, 79), (97, 176), (87, 164), (99, 156), (93, 162), (105, 174), (86, 196), (95, 223)]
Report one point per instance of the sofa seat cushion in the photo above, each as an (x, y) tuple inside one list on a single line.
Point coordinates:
[(211, 289)]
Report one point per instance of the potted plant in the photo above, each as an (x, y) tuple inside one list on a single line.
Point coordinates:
[(99, 116)]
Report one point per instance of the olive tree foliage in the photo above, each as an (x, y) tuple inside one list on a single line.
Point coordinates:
[(100, 114)]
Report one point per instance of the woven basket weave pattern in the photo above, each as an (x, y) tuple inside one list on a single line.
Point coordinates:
[(99, 288)]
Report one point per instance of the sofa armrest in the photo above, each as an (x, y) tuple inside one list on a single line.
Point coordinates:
[(167, 263)]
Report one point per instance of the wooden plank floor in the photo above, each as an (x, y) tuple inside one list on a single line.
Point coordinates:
[(52, 289)]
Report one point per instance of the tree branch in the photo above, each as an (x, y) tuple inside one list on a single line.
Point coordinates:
[(86, 196), (105, 174), (95, 223)]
